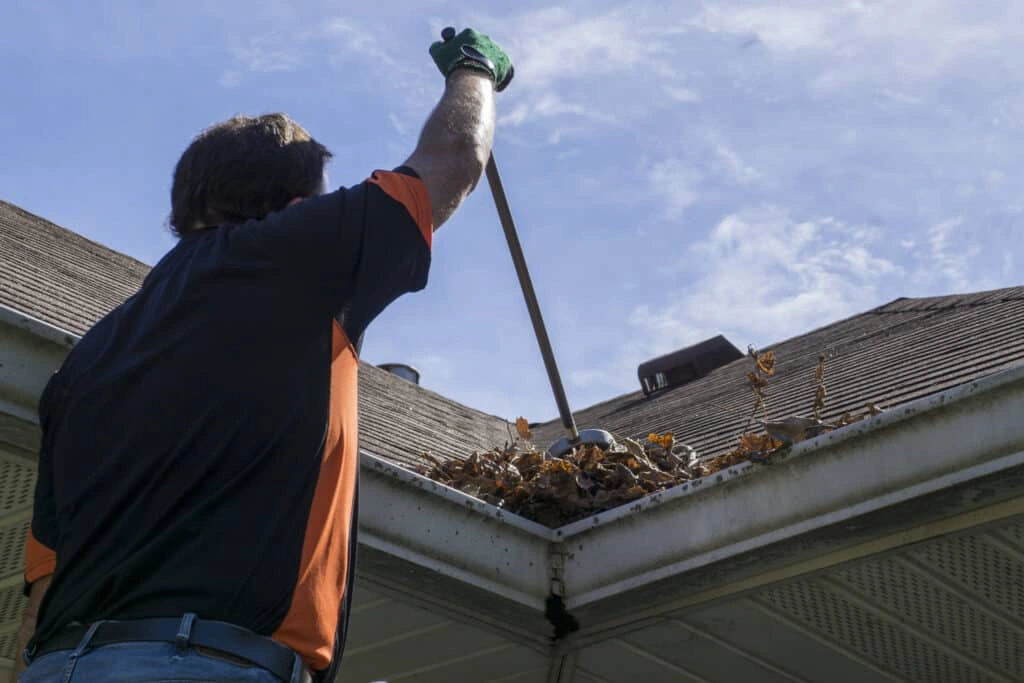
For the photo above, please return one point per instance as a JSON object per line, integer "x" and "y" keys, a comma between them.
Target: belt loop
{"x": 181, "y": 641}
{"x": 69, "y": 668}
{"x": 29, "y": 653}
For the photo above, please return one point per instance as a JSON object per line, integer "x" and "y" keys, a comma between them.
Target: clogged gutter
{"x": 556, "y": 491}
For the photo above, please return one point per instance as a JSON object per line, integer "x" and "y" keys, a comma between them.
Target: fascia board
{"x": 970, "y": 431}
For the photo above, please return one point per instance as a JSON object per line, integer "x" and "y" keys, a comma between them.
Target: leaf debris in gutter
{"x": 556, "y": 491}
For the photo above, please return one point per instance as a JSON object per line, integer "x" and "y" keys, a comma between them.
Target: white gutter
{"x": 37, "y": 327}
{"x": 967, "y": 432}
{"x": 30, "y": 351}
{"x": 419, "y": 520}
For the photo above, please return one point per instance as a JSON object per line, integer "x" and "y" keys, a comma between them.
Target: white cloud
{"x": 899, "y": 97}
{"x": 350, "y": 40}
{"x": 268, "y": 53}
{"x": 400, "y": 126}
{"x": 787, "y": 29}
{"x": 229, "y": 79}
{"x": 1010, "y": 111}
{"x": 675, "y": 183}
{"x": 734, "y": 167}
{"x": 570, "y": 62}
{"x": 548, "y": 105}
{"x": 759, "y": 276}
{"x": 950, "y": 254}
{"x": 336, "y": 42}
{"x": 603, "y": 43}
{"x": 681, "y": 94}
{"x": 434, "y": 367}
{"x": 886, "y": 41}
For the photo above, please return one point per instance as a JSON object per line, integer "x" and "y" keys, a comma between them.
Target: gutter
{"x": 32, "y": 351}
{"x": 419, "y": 520}
{"x": 921, "y": 447}
{"x": 857, "y": 430}
{"x": 37, "y": 327}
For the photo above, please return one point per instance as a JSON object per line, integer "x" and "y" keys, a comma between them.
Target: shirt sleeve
{"x": 396, "y": 251}
{"x": 351, "y": 251}
{"x": 41, "y": 538}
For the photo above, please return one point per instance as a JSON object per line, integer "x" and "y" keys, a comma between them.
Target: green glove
{"x": 473, "y": 50}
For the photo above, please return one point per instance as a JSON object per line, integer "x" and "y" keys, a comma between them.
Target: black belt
{"x": 213, "y": 635}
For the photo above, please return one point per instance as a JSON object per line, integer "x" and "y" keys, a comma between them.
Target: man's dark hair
{"x": 244, "y": 168}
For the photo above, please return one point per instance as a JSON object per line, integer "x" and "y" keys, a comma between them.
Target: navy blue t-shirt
{"x": 199, "y": 442}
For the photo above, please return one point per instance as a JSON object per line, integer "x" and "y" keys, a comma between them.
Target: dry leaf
{"x": 766, "y": 362}
{"x": 523, "y": 427}
{"x": 634, "y": 447}
{"x": 663, "y": 440}
{"x": 758, "y": 443}
{"x": 555, "y": 491}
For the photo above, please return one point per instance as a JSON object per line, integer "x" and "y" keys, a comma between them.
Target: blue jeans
{"x": 138, "y": 663}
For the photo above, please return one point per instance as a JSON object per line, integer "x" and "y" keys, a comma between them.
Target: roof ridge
{"x": 953, "y": 301}
{"x": 912, "y": 305}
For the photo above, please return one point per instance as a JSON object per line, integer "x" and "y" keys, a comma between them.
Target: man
{"x": 195, "y": 513}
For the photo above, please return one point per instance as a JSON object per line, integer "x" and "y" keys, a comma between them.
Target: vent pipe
{"x": 406, "y": 372}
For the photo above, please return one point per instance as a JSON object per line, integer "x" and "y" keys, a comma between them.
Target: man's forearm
{"x": 464, "y": 115}
{"x": 456, "y": 141}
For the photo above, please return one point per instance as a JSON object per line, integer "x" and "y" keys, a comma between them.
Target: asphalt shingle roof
{"x": 895, "y": 353}
{"x": 57, "y": 275}
{"x": 903, "y": 350}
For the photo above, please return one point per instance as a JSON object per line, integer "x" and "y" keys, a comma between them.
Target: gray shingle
{"x": 58, "y": 276}
{"x": 898, "y": 352}
{"x": 895, "y": 353}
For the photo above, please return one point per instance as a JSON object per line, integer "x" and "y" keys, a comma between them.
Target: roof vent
{"x": 406, "y": 372}
{"x": 685, "y": 365}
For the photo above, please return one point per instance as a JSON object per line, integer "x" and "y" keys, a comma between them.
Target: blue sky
{"x": 676, "y": 169}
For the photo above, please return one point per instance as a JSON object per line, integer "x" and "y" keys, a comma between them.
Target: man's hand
{"x": 473, "y": 50}
{"x": 28, "y": 623}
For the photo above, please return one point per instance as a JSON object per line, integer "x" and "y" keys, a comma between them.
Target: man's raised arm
{"x": 456, "y": 140}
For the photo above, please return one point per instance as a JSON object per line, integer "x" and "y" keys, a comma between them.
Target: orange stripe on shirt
{"x": 310, "y": 625}
{"x": 411, "y": 193}
{"x": 40, "y": 560}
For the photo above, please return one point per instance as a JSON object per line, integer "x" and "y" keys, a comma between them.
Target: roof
{"x": 58, "y": 276}
{"x": 862, "y": 563}
{"x": 63, "y": 279}
{"x": 903, "y": 350}
{"x": 890, "y": 355}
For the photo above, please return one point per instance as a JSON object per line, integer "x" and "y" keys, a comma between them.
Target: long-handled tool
{"x": 575, "y": 437}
